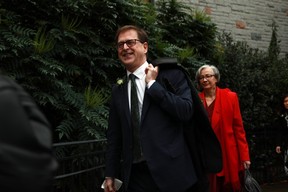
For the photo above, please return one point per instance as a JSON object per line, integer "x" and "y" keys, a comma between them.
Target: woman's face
{"x": 285, "y": 102}
{"x": 207, "y": 79}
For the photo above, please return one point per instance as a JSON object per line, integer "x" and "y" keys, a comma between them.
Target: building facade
{"x": 248, "y": 20}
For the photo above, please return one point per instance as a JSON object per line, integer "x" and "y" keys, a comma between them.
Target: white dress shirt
{"x": 141, "y": 85}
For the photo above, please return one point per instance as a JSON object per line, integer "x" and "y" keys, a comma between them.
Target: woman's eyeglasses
{"x": 130, "y": 43}
{"x": 208, "y": 76}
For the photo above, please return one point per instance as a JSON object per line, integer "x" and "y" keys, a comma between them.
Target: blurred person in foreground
{"x": 223, "y": 110}
{"x": 153, "y": 155}
{"x": 281, "y": 125}
{"x": 26, "y": 160}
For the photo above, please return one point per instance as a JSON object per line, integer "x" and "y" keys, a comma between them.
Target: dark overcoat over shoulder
{"x": 204, "y": 147}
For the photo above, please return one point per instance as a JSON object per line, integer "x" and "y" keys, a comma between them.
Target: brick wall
{"x": 248, "y": 20}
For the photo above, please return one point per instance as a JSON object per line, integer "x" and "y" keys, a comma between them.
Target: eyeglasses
{"x": 208, "y": 76}
{"x": 130, "y": 43}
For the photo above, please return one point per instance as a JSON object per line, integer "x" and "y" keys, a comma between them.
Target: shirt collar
{"x": 140, "y": 72}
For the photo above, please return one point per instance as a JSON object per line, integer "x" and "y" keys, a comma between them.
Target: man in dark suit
{"x": 154, "y": 156}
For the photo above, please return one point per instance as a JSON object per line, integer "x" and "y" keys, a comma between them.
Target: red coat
{"x": 228, "y": 126}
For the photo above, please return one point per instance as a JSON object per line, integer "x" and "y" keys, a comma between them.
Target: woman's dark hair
{"x": 283, "y": 109}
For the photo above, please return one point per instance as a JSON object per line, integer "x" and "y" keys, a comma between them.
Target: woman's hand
{"x": 247, "y": 164}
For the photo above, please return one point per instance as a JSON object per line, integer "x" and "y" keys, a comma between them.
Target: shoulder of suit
{"x": 7, "y": 82}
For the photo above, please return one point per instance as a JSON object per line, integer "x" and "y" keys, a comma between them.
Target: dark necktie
{"x": 135, "y": 118}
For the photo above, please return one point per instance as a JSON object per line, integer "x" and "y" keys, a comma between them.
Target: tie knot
{"x": 132, "y": 77}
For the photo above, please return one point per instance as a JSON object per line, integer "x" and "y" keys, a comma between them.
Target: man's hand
{"x": 109, "y": 185}
{"x": 151, "y": 73}
{"x": 278, "y": 149}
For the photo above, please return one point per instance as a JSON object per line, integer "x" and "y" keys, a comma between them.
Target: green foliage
{"x": 243, "y": 70}
{"x": 181, "y": 32}
{"x": 60, "y": 50}
{"x": 43, "y": 43}
{"x": 69, "y": 24}
{"x": 185, "y": 27}
{"x": 59, "y": 57}
{"x": 94, "y": 98}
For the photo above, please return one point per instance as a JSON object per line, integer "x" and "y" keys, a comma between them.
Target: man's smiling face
{"x": 131, "y": 55}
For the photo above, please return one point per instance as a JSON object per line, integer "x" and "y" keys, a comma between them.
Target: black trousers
{"x": 141, "y": 179}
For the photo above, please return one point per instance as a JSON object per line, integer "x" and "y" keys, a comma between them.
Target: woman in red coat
{"x": 224, "y": 113}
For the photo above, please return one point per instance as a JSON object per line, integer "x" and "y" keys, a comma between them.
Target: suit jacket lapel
{"x": 125, "y": 102}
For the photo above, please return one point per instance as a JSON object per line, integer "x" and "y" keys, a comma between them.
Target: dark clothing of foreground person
{"x": 26, "y": 160}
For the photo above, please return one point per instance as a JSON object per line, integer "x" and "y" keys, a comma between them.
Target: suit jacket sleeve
{"x": 172, "y": 94}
